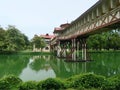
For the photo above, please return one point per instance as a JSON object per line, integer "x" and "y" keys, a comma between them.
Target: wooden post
{"x": 78, "y": 44}
{"x": 74, "y": 47}
{"x": 84, "y": 49}
{"x": 58, "y": 49}
{"x": 64, "y": 50}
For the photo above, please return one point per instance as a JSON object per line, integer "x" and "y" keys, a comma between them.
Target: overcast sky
{"x": 40, "y": 16}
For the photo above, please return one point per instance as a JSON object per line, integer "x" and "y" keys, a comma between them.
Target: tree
{"x": 27, "y": 42}
{"x": 105, "y": 40}
{"x": 94, "y": 42}
{"x": 2, "y": 38}
{"x": 115, "y": 41}
{"x": 38, "y": 42}
{"x": 14, "y": 39}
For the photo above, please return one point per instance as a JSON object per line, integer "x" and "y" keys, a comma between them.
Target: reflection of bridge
{"x": 65, "y": 70}
{"x": 104, "y": 15}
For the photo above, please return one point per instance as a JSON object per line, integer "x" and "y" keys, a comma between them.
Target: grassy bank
{"x": 104, "y": 51}
{"x": 26, "y": 53}
{"x": 50, "y": 53}
{"x": 78, "y": 82}
{"x": 33, "y": 53}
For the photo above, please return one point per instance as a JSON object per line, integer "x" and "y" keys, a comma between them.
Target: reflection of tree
{"x": 64, "y": 69}
{"x": 106, "y": 64}
{"x": 40, "y": 62}
{"x": 12, "y": 64}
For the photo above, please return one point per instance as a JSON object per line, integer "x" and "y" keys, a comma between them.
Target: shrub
{"x": 4, "y": 84}
{"x": 70, "y": 81}
{"x": 10, "y": 81}
{"x": 13, "y": 80}
{"x": 50, "y": 84}
{"x": 79, "y": 82}
{"x": 112, "y": 83}
{"x": 30, "y": 85}
{"x": 88, "y": 81}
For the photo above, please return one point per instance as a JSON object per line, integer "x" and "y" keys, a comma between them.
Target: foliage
{"x": 12, "y": 40}
{"x": 79, "y": 82}
{"x": 113, "y": 83}
{"x": 4, "y": 84}
{"x": 2, "y": 38}
{"x": 9, "y": 82}
{"x": 87, "y": 81}
{"x": 27, "y": 42}
{"x": 38, "y": 42}
{"x": 13, "y": 80}
{"x": 30, "y": 85}
{"x": 50, "y": 84}
{"x": 105, "y": 40}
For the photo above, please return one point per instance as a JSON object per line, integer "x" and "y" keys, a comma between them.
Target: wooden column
{"x": 78, "y": 45}
{"x": 64, "y": 50}
{"x": 84, "y": 49}
{"x": 58, "y": 49}
{"x": 74, "y": 49}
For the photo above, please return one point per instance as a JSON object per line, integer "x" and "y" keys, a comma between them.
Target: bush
{"x": 88, "y": 81}
{"x": 4, "y": 84}
{"x": 112, "y": 83}
{"x": 70, "y": 81}
{"x": 80, "y": 82}
{"x": 30, "y": 85}
{"x": 50, "y": 84}
{"x": 11, "y": 81}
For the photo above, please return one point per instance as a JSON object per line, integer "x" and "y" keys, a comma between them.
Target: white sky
{"x": 40, "y": 16}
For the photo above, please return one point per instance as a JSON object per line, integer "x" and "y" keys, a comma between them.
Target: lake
{"x": 40, "y": 67}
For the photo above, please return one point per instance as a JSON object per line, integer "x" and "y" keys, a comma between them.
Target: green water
{"x": 40, "y": 67}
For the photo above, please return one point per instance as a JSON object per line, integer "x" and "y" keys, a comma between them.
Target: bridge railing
{"x": 109, "y": 18}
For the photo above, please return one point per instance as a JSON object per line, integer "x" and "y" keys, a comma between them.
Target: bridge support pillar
{"x": 63, "y": 50}
{"x": 74, "y": 49}
{"x": 78, "y": 48}
{"x": 84, "y": 49}
{"x": 58, "y": 49}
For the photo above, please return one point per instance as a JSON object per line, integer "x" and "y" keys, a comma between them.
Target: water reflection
{"x": 37, "y": 67}
{"x": 12, "y": 64}
{"x": 106, "y": 64}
